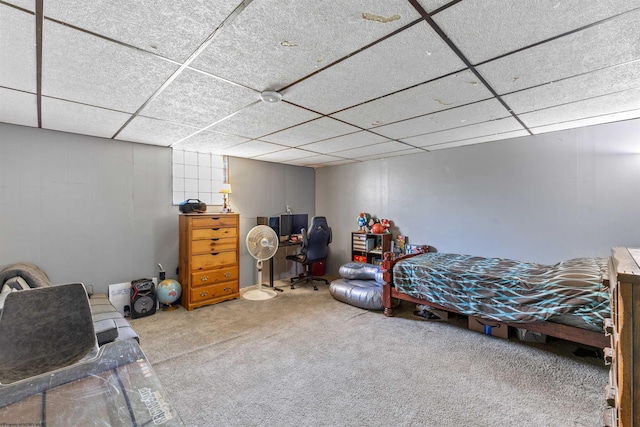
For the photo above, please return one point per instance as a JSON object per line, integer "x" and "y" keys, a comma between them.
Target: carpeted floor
{"x": 305, "y": 359}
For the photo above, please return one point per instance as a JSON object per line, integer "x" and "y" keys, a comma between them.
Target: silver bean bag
{"x": 365, "y": 294}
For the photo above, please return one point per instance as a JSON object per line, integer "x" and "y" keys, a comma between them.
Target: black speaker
{"x": 143, "y": 298}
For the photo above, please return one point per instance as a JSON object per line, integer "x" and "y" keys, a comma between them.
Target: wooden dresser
{"x": 624, "y": 329}
{"x": 209, "y": 255}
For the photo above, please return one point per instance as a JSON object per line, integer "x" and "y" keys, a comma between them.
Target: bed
{"x": 567, "y": 300}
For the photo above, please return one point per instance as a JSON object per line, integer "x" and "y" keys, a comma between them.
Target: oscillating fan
{"x": 262, "y": 244}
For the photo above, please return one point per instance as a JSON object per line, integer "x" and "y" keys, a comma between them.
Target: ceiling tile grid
{"x": 273, "y": 43}
{"x": 360, "y": 80}
{"x": 170, "y": 28}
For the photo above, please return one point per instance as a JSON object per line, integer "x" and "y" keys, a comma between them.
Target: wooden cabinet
{"x": 209, "y": 257}
{"x": 368, "y": 247}
{"x": 624, "y": 330}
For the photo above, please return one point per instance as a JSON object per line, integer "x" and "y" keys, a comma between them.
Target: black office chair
{"x": 315, "y": 248}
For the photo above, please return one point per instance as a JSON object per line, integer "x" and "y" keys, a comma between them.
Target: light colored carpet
{"x": 305, "y": 359}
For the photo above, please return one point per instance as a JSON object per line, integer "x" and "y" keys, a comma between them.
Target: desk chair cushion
{"x": 44, "y": 329}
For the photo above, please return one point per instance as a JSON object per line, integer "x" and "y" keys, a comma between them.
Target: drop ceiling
{"x": 359, "y": 80}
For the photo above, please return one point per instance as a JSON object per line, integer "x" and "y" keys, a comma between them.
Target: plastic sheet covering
{"x": 117, "y": 388}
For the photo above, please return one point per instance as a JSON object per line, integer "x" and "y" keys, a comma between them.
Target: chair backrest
{"x": 316, "y": 240}
{"x": 44, "y": 329}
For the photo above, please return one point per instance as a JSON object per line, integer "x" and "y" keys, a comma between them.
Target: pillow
{"x": 17, "y": 283}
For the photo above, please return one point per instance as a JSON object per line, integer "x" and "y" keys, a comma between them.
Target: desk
{"x": 286, "y": 243}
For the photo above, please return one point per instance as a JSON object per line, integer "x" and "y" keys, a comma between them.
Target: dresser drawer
{"x": 213, "y": 245}
{"x": 220, "y": 259}
{"x": 204, "y": 293}
{"x": 213, "y": 233}
{"x": 215, "y": 276}
{"x": 215, "y": 221}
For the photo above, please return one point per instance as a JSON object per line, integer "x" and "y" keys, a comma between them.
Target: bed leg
{"x": 388, "y": 311}
{"x": 387, "y": 302}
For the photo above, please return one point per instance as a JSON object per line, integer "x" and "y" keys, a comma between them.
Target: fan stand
{"x": 259, "y": 293}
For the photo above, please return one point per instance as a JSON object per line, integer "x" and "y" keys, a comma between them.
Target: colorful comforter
{"x": 506, "y": 290}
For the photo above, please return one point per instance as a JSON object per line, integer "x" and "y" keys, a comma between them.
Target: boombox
{"x": 143, "y": 298}
{"x": 192, "y": 205}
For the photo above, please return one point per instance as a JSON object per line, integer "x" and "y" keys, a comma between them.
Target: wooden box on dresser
{"x": 209, "y": 256}
{"x": 624, "y": 329}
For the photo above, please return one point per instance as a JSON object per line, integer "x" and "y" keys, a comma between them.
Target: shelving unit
{"x": 369, "y": 247}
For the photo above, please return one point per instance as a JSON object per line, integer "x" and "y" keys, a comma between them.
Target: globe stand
{"x": 169, "y": 307}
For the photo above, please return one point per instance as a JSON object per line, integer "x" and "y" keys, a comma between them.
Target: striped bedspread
{"x": 507, "y": 290}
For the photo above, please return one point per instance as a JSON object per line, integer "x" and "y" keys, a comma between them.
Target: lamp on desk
{"x": 225, "y": 190}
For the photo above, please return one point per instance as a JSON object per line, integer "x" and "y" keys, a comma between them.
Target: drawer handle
{"x": 227, "y": 289}
{"x": 215, "y": 217}
{"x": 216, "y": 239}
{"x": 216, "y": 229}
{"x": 204, "y": 294}
{"x": 204, "y": 278}
{"x": 215, "y": 253}
{"x": 227, "y": 274}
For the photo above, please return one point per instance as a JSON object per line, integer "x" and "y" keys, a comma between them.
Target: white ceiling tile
{"x": 608, "y": 104}
{"x": 465, "y": 132}
{"x": 447, "y": 92}
{"x": 479, "y": 112}
{"x": 596, "y": 83}
{"x": 79, "y": 118}
{"x": 264, "y": 118}
{"x": 209, "y": 142}
{"x": 273, "y": 43}
{"x": 284, "y": 156}
{"x": 606, "y": 118}
{"x": 345, "y": 142}
{"x": 317, "y": 161}
{"x": 197, "y": 99}
{"x": 171, "y": 28}
{"x": 614, "y": 42}
{"x": 251, "y": 149}
{"x": 390, "y": 154}
{"x": 153, "y": 131}
{"x": 373, "y": 150}
{"x": 17, "y": 49}
{"x": 496, "y": 27}
{"x": 478, "y": 140}
{"x": 312, "y": 131}
{"x": 18, "y": 108}
{"x": 432, "y": 5}
{"x": 413, "y": 56}
{"x": 84, "y": 68}
{"x": 25, "y": 4}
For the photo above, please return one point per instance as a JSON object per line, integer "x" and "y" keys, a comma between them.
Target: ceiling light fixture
{"x": 271, "y": 96}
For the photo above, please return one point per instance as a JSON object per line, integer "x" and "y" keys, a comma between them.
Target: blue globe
{"x": 168, "y": 291}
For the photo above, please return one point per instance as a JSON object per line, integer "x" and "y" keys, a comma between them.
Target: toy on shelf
{"x": 362, "y": 223}
{"x": 386, "y": 224}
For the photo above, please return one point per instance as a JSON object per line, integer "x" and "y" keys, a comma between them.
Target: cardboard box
{"x": 489, "y": 327}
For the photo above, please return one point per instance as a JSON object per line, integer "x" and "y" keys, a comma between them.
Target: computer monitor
{"x": 286, "y": 225}
{"x": 299, "y": 222}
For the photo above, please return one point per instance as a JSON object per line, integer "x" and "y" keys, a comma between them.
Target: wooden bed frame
{"x": 570, "y": 333}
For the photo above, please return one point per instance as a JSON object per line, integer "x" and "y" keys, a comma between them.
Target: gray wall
{"x": 540, "y": 198}
{"x": 99, "y": 211}
{"x": 85, "y": 209}
{"x": 266, "y": 189}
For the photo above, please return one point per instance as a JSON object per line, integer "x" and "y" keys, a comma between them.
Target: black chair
{"x": 315, "y": 248}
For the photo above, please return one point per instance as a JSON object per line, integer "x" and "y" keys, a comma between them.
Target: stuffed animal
{"x": 362, "y": 222}
{"x": 386, "y": 224}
